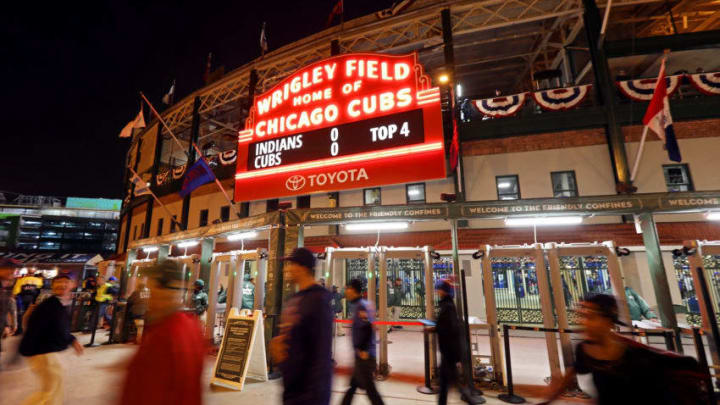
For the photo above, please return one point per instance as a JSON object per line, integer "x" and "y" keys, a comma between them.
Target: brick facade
{"x": 584, "y": 137}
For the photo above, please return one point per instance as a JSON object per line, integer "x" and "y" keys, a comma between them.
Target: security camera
{"x": 478, "y": 255}
{"x": 620, "y": 251}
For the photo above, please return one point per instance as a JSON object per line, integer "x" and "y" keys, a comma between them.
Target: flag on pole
{"x": 263, "y": 40}
{"x": 658, "y": 118}
{"x": 454, "y": 148}
{"x": 336, "y": 11}
{"x": 141, "y": 186}
{"x": 138, "y": 122}
{"x": 168, "y": 98}
{"x": 199, "y": 174}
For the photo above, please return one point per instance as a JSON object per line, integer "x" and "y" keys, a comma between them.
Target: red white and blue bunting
{"x": 642, "y": 89}
{"x": 561, "y": 99}
{"x": 504, "y": 106}
{"x": 707, "y": 83}
{"x": 178, "y": 172}
{"x": 162, "y": 178}
{"x": 228, "y": 157}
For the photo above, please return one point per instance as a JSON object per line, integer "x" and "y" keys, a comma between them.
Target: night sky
{"x": 72, "y": 72}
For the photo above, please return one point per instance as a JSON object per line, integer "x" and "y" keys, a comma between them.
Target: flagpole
{"x": 639, "y": 153}
{"x": 158, "y": 201}
{"x": 217, "y": 182}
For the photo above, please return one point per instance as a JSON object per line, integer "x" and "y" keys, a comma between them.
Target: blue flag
{"x": 199, "y": 174}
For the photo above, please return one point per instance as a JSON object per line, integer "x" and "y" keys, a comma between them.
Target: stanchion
{"x": 702, "y": 359}
{"x": 113, "y": 323}
{"x": 510, "y": 397}
{"x": 273, "y": 373}
{"x": 93, "y": 325}
{"x": 427, "y": 388}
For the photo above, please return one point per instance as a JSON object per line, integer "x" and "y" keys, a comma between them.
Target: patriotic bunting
{"x": 162, "y": 178}
{"x": 505, "y": 106}
{"x": 228, "y": 157}
{"x": 707, "y": 83}
{"x": 642, "y": 89}
{"x": 178, "y": 172}
{"x": 561, "y": 99}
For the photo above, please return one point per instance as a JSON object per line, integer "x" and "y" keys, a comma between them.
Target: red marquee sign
{"x": 350, "y": 121}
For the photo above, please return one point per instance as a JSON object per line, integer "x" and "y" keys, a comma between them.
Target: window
{"x": 677, "y": 178}
{"x": 203, "y": 217}
{"x": 415, "y": 193}
{"x": 161, "y": 223}
{"x": 371, "y": 196}
{"x": 225, "y": 213}
{"x": 508, "y": 187}
{"x": 303, "y": 201}
{"x": 142, "y": 231}
{"x": 564, "y": 184}
{"x": 134, "y": 232}
{"x": 173, "y": 224}
{"x": 334, "y": 199}
{"x": 272, "y": 205}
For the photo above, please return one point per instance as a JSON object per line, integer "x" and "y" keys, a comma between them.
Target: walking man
{"x": 167, "y": 368}
{"x": 303, "y": 348}
{"x": 337, "y": 306}
{"x": 48, "y": 332}
{"x": 364, "y": 344}
{"x": 8, "y": 312}
{"x": 450, "y": 343}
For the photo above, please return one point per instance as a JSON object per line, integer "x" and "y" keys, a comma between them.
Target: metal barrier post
{"x": 427, "y": 388}
{"x": 702, "y": 358}
{"x": 93, "y": 325}
{"x": 510, "y": 397}
{"x": 113, "y": 323}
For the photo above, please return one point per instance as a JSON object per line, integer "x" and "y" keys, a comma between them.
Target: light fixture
{"x": 413, "y": 192}
{"x": 541, "y": 221}
{"x": 458, "y": 91}
{"x": 187, "y": 244}
{"x": 443, "y": 78}
{"x": 504, "y": 184}
{"x": 242, "y": 235}
{"x": 377, "y": 226}
{"x": 150, "y": 249}
{"x": 713, "y": 216}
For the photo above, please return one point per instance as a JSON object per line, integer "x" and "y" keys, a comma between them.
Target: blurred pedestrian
{"x": 625, "y": 371}
{"x": 167, "y": 368}
{"x": 364, "y": 344}
{"x": 48, "y": 332}
{"x": 639, "y": 309}
{"x": 303, "y": 348}
{"x": 336, "y": 304}
{"x": 450, "y": 343}
{"x": 104, "y": 298}
{"x": 137, "y": 307}
{"x": 199, "y": 300}
{"x": 8, "y": 312}
{"x": 26, "y": 291}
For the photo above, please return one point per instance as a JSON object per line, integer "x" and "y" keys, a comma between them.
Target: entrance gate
{"x": 382, "y": 263}
{"x": 228, "y": 269}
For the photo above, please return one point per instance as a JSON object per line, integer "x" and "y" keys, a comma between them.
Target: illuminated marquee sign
{"x": 351, "y": 121}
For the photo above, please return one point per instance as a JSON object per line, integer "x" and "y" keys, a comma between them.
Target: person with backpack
{"x": 625, "y": 371}
{"x": 104, "y": 298}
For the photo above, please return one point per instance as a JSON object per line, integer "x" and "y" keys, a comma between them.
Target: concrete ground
{"x": 92, "y": 380}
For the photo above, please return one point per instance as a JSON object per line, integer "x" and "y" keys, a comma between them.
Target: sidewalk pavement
{"x": 92, "y": 379}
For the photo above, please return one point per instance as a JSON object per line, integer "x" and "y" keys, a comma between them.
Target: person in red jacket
{"x": 167, "y": 368}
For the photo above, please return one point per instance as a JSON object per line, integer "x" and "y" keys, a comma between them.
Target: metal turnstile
{"x": 702, "y": 257}
{"x": 135, "y": 273}
{"x": 577, "y": 269}
{"x": 532, "y": 276}
{"x": 380, "y": 256}
{"x": 229, "y": 269}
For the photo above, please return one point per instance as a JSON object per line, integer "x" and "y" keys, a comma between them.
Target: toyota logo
{"x": 295, "y": 182}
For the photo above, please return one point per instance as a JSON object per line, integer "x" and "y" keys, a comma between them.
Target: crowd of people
{"x": 168, "y": 366}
